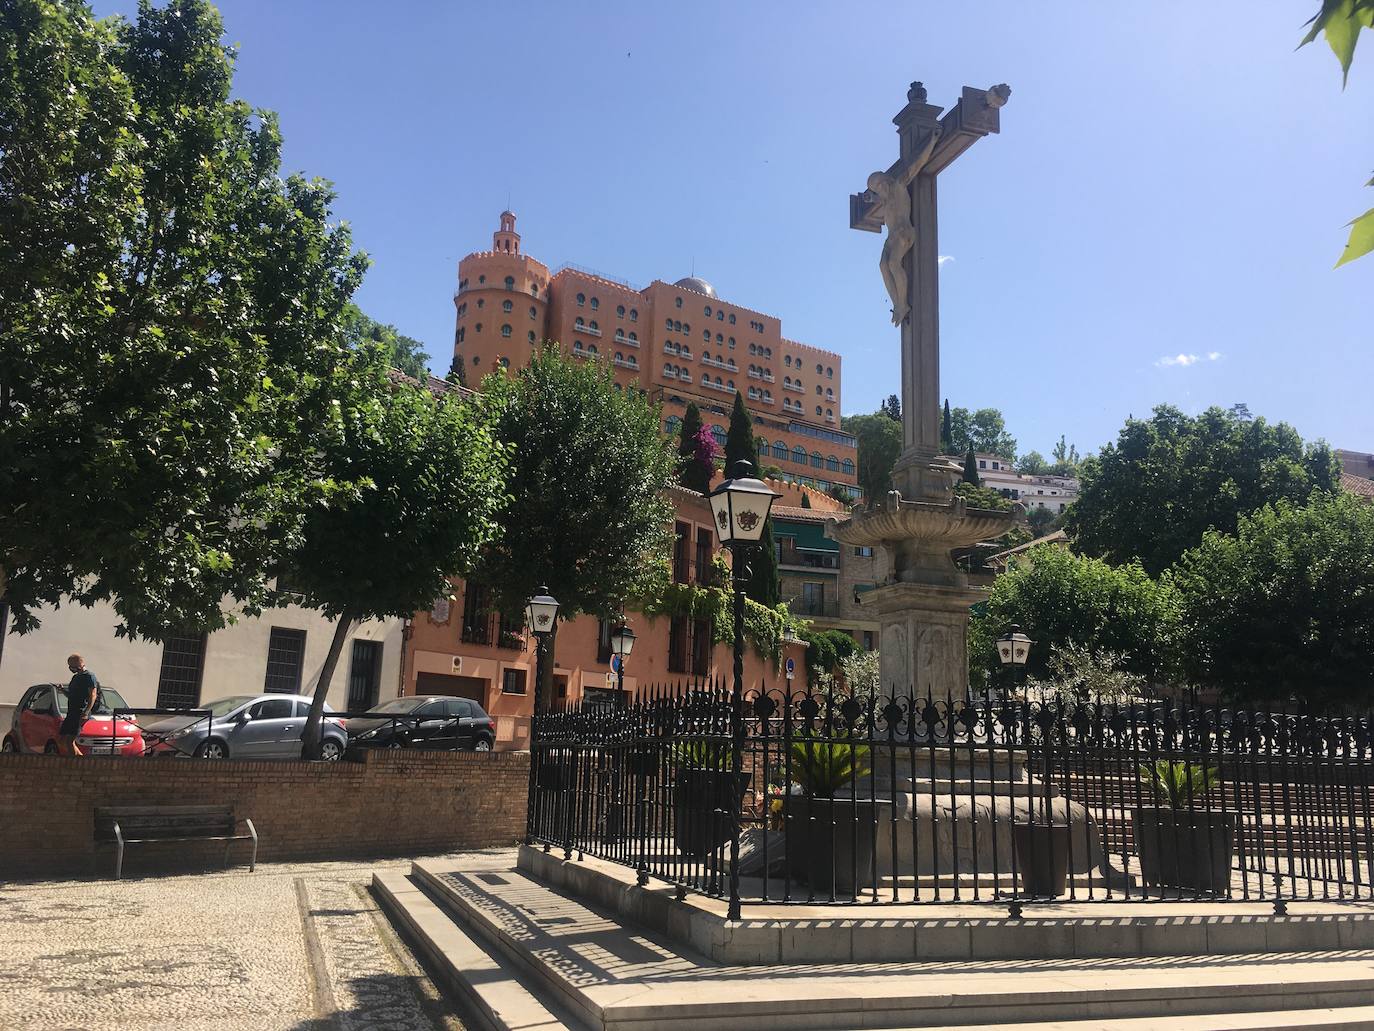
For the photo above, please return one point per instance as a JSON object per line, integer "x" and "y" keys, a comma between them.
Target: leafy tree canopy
{"x": 1061, "y": 599}
{"x": 1167, "y": 480}
{"x": 1032, "y": 463}
{"x": 697, "y": 450}
{"x": 880, "y": 444}
{"x": 1284, "y": 607}
{"x": 985, "y": 431}
{"x": 584, "y": 512}
{"x": 400, "y": 351}
{"x": 171, "y": 317}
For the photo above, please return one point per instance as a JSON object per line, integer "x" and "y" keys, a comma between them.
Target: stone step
{"x": 1344, "y": 1018}
{"x": 614, "y": 976}
{"x": 497, "y": 999}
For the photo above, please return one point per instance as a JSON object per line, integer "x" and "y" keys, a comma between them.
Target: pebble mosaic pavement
{"x": 292, "y": 947}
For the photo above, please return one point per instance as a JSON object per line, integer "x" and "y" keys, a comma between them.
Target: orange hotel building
{"x": 677, "y": 342}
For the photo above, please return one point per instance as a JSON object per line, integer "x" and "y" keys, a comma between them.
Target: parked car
{"x": 436, "y": 722}
{"x": 267, "y": 726}
{"x": 39, "y": 715}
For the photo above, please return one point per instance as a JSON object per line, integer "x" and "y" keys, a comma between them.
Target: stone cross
{"x": 903, "y": 199}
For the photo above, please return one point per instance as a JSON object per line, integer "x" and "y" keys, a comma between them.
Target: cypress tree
{"x": 762, "y": 585}
{"x": 971, "y": 469}
{"x": 806, "y": 501}
{"x": 692, "y": 474}
{"x": 947, "y": 431}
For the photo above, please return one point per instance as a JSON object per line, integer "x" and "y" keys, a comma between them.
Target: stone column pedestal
{"x": 924, "y": 637}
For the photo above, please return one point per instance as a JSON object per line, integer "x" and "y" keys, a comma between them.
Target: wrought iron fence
{"x": 910, "y": 799}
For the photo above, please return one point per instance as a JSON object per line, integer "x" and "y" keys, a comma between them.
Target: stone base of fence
{"x": 388, "y": 804}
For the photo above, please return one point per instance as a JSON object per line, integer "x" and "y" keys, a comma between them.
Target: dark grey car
{"x": 267, "y": 726}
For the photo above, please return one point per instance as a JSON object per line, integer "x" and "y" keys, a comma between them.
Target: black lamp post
{"x": 541, "y": 612}
{"x": 1013, "y": 648}
{"x": 622, "y": 643}
{"x": 740, "y": 505}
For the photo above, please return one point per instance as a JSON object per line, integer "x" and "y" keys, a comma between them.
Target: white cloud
{"x": 944, "y": 259}
{"x": 1185, "y": 360}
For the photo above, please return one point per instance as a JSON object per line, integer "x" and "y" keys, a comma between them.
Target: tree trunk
{"x": 311, "y": 736}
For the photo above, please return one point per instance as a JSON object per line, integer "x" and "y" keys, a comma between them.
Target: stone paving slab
{"x": 624, "y": 977}
{"x": 292, "y": 947}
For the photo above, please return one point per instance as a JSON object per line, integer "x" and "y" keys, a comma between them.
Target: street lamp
{"x": 540, "y": 614}
{"x": 622, "y": 643}
{"x": 1013, "y": 648}
{"x": 740, "y": 506}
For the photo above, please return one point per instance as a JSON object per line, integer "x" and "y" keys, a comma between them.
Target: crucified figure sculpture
{"x": 893, "y": 197}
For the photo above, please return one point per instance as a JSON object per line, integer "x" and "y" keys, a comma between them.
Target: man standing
{"x": 81, "y": 694}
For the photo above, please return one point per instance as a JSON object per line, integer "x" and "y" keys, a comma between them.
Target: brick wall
{"x": 391, "y": 803}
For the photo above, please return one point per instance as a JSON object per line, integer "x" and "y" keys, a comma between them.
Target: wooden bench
{"x": 141, "y": 824}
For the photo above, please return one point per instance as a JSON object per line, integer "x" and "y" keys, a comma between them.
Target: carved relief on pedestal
{"x": 934, "y": 657}
{"x": 894, "y": 659}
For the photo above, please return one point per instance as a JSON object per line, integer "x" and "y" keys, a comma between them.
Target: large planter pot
{"x": 1181, "y": 848}
{"x": 1042, "y": 857}
{"x": 830, "y": 842}
{"x": 704, "y": 803}
{"x": 555, "y": 773}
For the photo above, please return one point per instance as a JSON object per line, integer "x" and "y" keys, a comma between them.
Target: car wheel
{"x": 481, "y": 745}
{"x": 394, "y": 743}
{"x": 50, "y": 748}
{"x": 8, "y": 745}
{"x": 330, "y": 750}
{"x": 212, "y": 749}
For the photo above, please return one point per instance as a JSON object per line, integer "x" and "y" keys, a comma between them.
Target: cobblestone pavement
{"x": 292, "y": 947}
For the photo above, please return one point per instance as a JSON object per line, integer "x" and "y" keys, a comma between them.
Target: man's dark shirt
{"x": 79, "y": 692}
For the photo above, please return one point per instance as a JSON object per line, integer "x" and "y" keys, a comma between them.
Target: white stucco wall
{"x": 235, "y": 657}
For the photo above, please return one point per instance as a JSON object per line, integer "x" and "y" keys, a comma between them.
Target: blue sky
{"x": 1171, "y": 180}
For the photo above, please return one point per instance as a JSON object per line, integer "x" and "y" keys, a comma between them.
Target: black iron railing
{"x": 913, "y": 799}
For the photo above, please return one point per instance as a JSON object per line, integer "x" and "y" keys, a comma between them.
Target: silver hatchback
{"x": 266, "y": 726}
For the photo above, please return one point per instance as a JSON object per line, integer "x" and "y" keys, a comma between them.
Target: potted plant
{"x": 706, "y": 794}
{"x": 830, "y": 830}
{"x": 1181, "y": 842}
{"x": 1041, "y": 845}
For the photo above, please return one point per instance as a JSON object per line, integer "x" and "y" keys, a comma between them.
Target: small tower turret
{"x": 506, "y": 240}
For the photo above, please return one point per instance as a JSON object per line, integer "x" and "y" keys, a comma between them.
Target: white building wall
{"x": 235, "y": 657}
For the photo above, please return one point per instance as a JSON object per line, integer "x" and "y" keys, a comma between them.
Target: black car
{"x": 433, "y": 722}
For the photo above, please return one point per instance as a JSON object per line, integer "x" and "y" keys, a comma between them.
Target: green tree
{"x": 1284, "y": 607}
{"x": 880, "y": 444}
{"x": 971, "y": 476}
{"x": 1066, "y": 460}
{"x": 1341, "y": 21}
{"x": 1167, "y": 480}
{"x": 1032, "y": 463}
{"x": 763, "y": 584}
{"x": 585, "y": 513}
{"x": 429, "y": 479}
{"x": 984, "y": 430}
{"x": 1040, "y": 520}
{"x": 171, "y": 319}
{"x": 892, "y": 408}
{"x": 403, "y": 353}
{"x": 696, "y": 450}
{"x": 947, "y": 431}
{"x": 806, "y": 501}
{"x": 1061, "y": 599}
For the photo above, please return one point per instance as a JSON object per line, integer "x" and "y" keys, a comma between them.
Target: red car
{"x": 39, "y": 715}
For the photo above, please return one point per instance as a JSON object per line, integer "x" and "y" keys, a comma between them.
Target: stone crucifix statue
{"x": 891, "y": 196}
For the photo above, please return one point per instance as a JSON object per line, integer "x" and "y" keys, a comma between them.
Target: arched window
{"x": 581, "y": 300}
{"x": 708, "y": 311}
{"x": 718, "y": 432}
{"x": 531, "y": 336}
{"x": 668, "y": 324}
{"x": 753, "y": 349}
{"x": 476, "y": 360}
{"x": 718, "y": 383}
{"x": 753, "y": 394}
{"x": 677, "y": 327}
{"x": 761, "y": 444}
{"x": 534, "y": 312}
{"x": 591, "y": 349}
{"x": 620, "y": 311}
{"x": 595, "y": 304}
{"x": 505, "y": 363}
{"x": 829, "y": 372}
{"x": 505, "y": 330}
{"x": 732, "y": 319}
{"x": 829, "y": 413}
{"x": 818, "y": 390}
{"x": 592, "y": 325}
{"x": 819, "y": 368}
{"x": 706, "y": 335}
{"x": 506, "y": 306}
{"x": 799, "y": 455}
{"x": 729, "y": 383}
{"x": 787, "y": 360}
{"x": 732, "y": 343}
{"x": 461, "y": 333}
{"x": 848, "y": 466}
{"x": 481, "y": 279}
{"x": 510, "y": 282}
{"x": 671, "y": 424}
{"x": 481, "y": 302}
{"x": 768, "y": 396}
{"x": 817, "y": 460}
{"x": 720, "y": 315}
{"x": 578, "y": 324}
{"x": 534, "y": 289}
{"x": 617, "y": 387}
{"x": 619, "y": 356}
{"x": 779, "y": 450}
{"x": 633, "y": 339}
{"x": 720, "y": 339}
{"x": 818, "y": 409}
{"x": 679, "y": 302}
{"x": 634, "y": 314}
{"x": 478, "y": 327}
{"x": 705, "y": 378}
{"x": 832, "y": 463}
{"x": 686, "y": 327}
{"x": 830, "y": 393}
{"x": 768, "y": 352}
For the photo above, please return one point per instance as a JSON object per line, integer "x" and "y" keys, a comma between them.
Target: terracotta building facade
{"x": 678, "y": 342}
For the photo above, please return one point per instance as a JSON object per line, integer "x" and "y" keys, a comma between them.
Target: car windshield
{"x": 397, "y": 705}
{"x": 105, "y": 698}
{"x": 225, "y": 706}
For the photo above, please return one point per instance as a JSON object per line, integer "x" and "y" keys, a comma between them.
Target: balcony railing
{"x": 581, "y": 327}
{"x": 491, "y": 630}
{"x": 626, "y": 341}
{"x": 625, "y": 363}
{"x": 794, "y": 386}
{"x": 825, "y": 608}
{"x": 768, "y": 377}
{"x": 718, "y": 386}
{"x": 730, "y": 366}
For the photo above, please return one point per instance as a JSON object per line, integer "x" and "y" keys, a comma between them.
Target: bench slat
{"x": 162, "y": 810}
